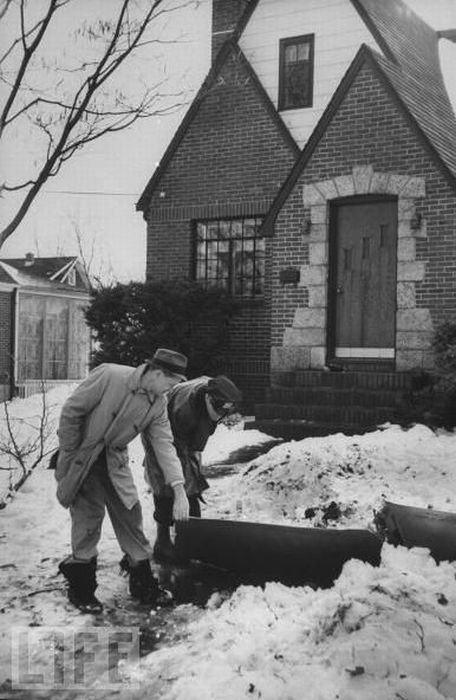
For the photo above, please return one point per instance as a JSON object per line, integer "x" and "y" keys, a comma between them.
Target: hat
{"x": 222, "y": 389}
{"x": 171, "y": 361}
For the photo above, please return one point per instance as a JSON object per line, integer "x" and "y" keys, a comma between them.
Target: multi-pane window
{"x": 230, "y": 254}
{"x": 296, "y": 72}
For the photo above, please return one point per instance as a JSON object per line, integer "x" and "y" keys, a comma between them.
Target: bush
{"x": 444, "y": 345}
{"x": 131, "y": 321}
{"x": 432, "y": 399}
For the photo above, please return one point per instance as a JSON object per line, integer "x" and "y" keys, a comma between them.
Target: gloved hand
{"x": 181, "y": 507}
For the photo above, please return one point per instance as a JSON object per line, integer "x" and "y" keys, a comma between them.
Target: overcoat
{"x": 107, "y": 411}
{"x": 191, "y": 426}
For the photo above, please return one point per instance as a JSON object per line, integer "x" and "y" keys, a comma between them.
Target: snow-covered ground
{"x": 380, "y": 633}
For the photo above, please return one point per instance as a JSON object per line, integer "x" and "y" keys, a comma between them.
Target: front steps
{"x": 307, "y": 403}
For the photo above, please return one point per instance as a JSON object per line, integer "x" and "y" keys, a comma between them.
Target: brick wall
{"x": 370, "y": 130}
{"x": 232, "y": 159}
{"x": 169, "y": 250}
{"x": 230, "y": 163}
{"x": 6, "y": 330}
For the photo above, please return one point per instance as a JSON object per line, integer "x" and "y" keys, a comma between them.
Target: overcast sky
{"x": 97, "y": 191}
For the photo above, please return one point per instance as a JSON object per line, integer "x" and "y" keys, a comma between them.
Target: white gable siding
{"x": 339, "y": 32}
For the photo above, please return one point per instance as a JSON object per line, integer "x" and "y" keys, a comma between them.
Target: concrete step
{"x": 333, "y": 396}
{"x": 390, "y": 381}
{"x": 298, "y": 429}
{"x": 339, "y": 414}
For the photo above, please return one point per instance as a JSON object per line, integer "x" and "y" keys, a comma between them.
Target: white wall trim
{"x": 384, "y": 353}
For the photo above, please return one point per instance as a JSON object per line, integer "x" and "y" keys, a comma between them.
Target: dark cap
{"x": 171, "y": 361}
{"x": 223, "y": 389}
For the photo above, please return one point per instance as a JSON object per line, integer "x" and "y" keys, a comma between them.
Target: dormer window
{"x": 296, "y": 72}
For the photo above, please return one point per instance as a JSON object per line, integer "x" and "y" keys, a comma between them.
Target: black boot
{"x": 82, "y": 580}
{"x": 144, "y": 586}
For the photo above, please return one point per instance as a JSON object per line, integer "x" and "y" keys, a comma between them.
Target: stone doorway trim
{"x": 306, "y": 338}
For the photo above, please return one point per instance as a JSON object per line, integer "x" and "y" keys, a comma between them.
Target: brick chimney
{"x": 29, "y": 259}
{"x": 225, "y": 18}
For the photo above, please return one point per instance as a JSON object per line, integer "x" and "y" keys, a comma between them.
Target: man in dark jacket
{"x": 195, "y": 408}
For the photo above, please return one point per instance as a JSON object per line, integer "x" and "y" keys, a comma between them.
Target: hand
{"x": 181, "y": 507}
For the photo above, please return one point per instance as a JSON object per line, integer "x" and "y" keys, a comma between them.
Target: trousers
{"x": 97, "y": 495}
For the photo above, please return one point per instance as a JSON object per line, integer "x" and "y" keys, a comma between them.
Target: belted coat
{"x": 107, "y": 411}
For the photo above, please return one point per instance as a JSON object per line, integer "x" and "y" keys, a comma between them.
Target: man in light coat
{"x": 108, "y": 410}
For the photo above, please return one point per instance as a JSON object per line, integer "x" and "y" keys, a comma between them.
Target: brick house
{"x": 43, "y": 332}
{"x": 314, "y": 176}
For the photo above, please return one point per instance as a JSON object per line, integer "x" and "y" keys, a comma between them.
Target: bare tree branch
{"x": 4, "y": 7}
{"x": 28, "y": 448}
{"x": 27, "y": 55}
{"x": 68, "y": 121}
{"x": 13, "y": 188}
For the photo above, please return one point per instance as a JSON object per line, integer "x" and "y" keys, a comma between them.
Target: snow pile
{"x": 341, "y": 480}
{"x": 226, "y": 442}
{"x": 378, "y": 634}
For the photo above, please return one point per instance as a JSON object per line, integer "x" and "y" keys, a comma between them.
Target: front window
{"x": 296, "y": 72}
{"x": 230, "y": 254}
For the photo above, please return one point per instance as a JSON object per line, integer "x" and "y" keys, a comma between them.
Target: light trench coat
{"x": 108, "y": 410}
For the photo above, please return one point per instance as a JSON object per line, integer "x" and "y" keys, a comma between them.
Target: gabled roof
{"x": 7, "y": 274}
{"x": 20, "y": 278}
{"x": 378, "y": 63}
{"x": 225, "y": 52}
{"x": 410, "y": 47}
{"x": 49, "y": 272}
{"x": 412, "y": 65}
{"x": 410, "y": 69}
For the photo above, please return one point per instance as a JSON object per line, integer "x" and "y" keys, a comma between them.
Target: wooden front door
{"x": 365, "y": 279}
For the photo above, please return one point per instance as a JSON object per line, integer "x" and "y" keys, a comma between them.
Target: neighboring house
{"x": 314, "y": 176}
{"x": 43, "y": 332}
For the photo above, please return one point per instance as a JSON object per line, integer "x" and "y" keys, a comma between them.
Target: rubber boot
{"x": 82, "y": 580}
{"x": 163, "y": 548}
{"x": 144, "y": 586}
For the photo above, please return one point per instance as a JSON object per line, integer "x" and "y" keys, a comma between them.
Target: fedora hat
{"x": 171, "y": 361}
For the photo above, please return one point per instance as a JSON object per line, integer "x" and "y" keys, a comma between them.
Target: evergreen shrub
{"x": 432, "y": 399}
{"x": 130, "y": 321}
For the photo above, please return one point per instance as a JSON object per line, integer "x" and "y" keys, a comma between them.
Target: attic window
{"x": 71, "y": 279}
{"x": 296, "y": 72}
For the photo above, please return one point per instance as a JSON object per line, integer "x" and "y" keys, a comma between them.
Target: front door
{"x": 365, "y": 279}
